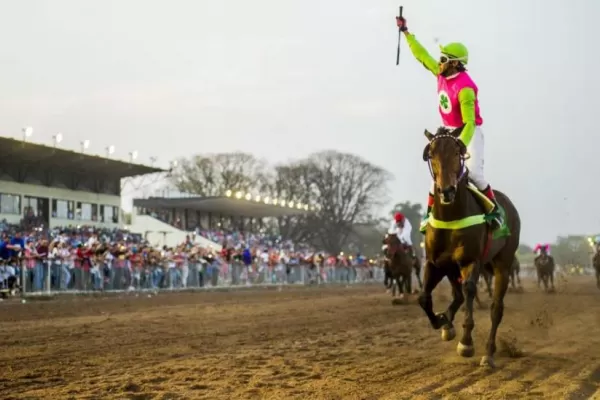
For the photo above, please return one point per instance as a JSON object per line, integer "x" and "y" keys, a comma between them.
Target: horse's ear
{"x": 456, "y": 132}
{"x": 428, "y": 135}
{"x": 426, "y": 152}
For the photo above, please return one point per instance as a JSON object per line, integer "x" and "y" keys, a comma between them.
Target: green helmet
{"x": 457, "y": 51}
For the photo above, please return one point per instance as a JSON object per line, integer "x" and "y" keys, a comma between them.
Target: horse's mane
{"x": 442, "y": 130}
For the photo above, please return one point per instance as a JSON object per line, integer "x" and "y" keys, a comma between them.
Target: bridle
{"x": 392, "y": 249}
{"x": 462, "y": 171}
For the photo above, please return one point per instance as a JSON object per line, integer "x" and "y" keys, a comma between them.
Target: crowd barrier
{"x": 53, "y": 277}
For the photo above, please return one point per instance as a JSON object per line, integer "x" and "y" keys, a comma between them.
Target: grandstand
{"x": 169, "y": 220}
{"x": 59, "y": 187}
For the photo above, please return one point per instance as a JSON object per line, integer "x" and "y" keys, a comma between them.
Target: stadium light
{"x": 110, "y": 150}
{"x": 248, "y": 196}
{"x": 228, "y": 193}
{"x": 239, "y": 195}
{"x": 291, "y": 204}
{"x": 132, "y": 155}
{"x": 57, "y": 138}
{"x": 267, "y": 200}
{"x": 257, "y": 199}
{"x": 84, "y": 145}
{"x": 306, "y": 207}
{"x": 27, "y": 132}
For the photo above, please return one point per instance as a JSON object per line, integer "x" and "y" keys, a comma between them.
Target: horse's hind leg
{"x": 431, "y": 278}
{"x": 552, "y": 280}
{"x": 496, "y": 312}
{"x": 470, "y": 275}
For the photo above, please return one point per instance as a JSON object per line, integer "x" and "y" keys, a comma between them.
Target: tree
{"x": 344, "y": 188}
{"x": 413, "y": 212}
{"x": 572, "y": 250}
{"x": 293, "y": 183}
{"x": 214, "y": 174}
{"x": 347, "y": 189}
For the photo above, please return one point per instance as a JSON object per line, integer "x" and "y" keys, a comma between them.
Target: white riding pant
{"x": 475, "y": 162}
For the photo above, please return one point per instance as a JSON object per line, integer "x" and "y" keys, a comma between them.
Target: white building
{"x": 61, "y": 187}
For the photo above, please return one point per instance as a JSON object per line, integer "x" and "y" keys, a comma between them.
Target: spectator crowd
{"x": 85, "y": 258}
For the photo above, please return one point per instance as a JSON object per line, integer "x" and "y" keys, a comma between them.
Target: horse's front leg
{"x": 470, "y": 276}
{"x": 552, "y": 279}
{"x": 432, "y": 277}
{"x": 448, "y": 332}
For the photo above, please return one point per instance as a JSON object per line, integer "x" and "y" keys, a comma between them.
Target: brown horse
{"x": 544, "y": 266}
{"x": 417, "y": 269}
{"x": 399, "y": 265}
{"x": 596, "y": 263}
{"x": 459, "y": 241}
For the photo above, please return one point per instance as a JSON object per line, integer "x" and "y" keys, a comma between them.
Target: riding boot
{"x": 423, "y": 226}
{"x": 494, "y": 214}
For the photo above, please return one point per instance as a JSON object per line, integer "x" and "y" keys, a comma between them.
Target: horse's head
{"x": 446, "y": 155}
{"x": 393, "y": 245}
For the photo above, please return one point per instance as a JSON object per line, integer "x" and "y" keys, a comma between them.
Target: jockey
{"x": 403, "y": 229}
{"x": 459, "y": 107}
{"x": 539, "y": 247}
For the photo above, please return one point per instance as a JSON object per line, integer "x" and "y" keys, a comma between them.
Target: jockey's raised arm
{"x": 421, "y": 54}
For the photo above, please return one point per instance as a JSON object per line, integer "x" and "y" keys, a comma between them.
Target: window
{"x": 10, "y": 204}
{"x": 31, "y": 206}
{"x": 62, "y": 209}
{"x": 94, "y": 212}
{"x": 109, "y": 214}
{"x": 84, "y": 211}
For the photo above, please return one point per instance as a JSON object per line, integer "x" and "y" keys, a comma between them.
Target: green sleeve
{"x": 422, "y": 55}
{"x": 466, "y": 98}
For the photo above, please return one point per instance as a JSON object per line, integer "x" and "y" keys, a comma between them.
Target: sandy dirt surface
{"x": 297, "y": 343}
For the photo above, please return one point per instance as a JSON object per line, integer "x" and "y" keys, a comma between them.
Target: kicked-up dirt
{"x": 295, "y": 343}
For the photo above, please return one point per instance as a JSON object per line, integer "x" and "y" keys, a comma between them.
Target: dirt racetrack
{"x": 297, "y": 343}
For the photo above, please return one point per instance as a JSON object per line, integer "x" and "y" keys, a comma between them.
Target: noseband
{"x": 463, "y": 155}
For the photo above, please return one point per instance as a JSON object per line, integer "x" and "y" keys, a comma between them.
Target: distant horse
{"x": 596, "y": 263}
{"x": 399, "y": 264}
{"x": 459, "y": 241}
{"x": 544, "y": 266}
{"x": 514, "y": 273}
{"x": 487, "y": 273}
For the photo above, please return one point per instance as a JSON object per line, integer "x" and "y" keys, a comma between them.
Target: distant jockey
{"x": 539, "y": 248}
{"x": 403, "y": 229}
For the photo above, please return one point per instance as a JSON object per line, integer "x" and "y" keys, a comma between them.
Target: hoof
{"x": 388, "y": 291}
{"x": 487, "y": 361}
{"x": 401, "y": 297}
{"x": 448, "y": 334}
{"x": 415, "y": 291}
{"x": 464, "y": 350}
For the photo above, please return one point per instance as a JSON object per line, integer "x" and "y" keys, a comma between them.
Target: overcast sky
{"x": 283, "y": 78}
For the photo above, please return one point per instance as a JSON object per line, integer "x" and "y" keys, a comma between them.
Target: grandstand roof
{"x": 226, "y": 206}
{"x": 19, "y": 151}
